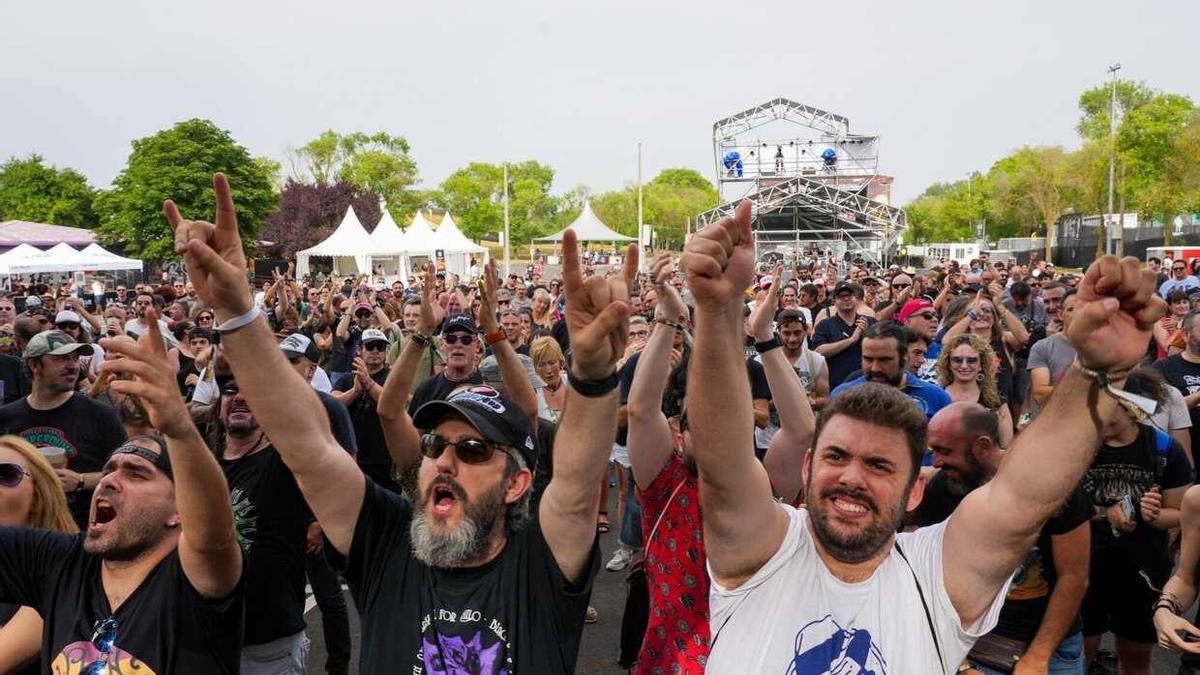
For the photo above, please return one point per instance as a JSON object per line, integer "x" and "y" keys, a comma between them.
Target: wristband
{"x": 494, "y": 337}
{"x": 79, "y": 488}
{"x": 1139, "y": 407}
{"x": 768, "y": 345}
{"x": 1167, "y": 604}
{"x": 238, "y": 321}
{"x": 420, "y": 338}
{"x": 593, "y": 388}
{"x": 673, "y": 324}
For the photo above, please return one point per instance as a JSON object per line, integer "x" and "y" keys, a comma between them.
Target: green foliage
{"x": 1157, "y": 153}
{"x": 669, "y": 201}
{"x": 33, "y": 191}
{"x": 178, "y": 163}
{"x": 474, "y": 194}
{"x": 377, "y": 162}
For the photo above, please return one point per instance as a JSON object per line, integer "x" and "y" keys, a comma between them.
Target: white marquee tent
{"x": 389, "y": 247}
{"x": 349, "y": 246}
{"x": 456, "y": 247}
{"x": 588, "y": 228}
{"x": 97, "y": 258}
{"x": 62, "y": 258}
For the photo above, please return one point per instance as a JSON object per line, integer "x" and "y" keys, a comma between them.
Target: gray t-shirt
{"x": 1054, "y": 353}
{"x": 1173, "y": 413}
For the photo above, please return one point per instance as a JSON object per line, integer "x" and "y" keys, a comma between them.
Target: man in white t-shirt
{"x": 831, "y": 588}
{"x": 792, "y": 329}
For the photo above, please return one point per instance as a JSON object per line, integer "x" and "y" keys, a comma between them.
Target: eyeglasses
{"x": 375, "y": 347}
{"x": 459, "y": 338}
{"x": 11, "y": 474}
{"x": 901, "y": 286}
{"x": 104, "y": 634}
{"x": 68, "y": 325}
{"x": 928, "y": 316}
{"x": 964, "y": 360}
{"x": 1178, "y": 269}
{"x": 469, "y": 450}
{"x": 203, "y": 318}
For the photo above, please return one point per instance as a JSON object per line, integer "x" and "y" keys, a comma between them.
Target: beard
{"x": 959, "y": 483}
{"x": 129, "y": 541}
{"x": 467, "y": 539}
{"x": 859, "y": 546}
{"x": 243, "y": 427}
{"x": 882, "y": 378}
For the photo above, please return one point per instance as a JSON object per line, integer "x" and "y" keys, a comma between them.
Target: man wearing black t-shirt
{"x": 451, "y": 581}
{"x": 272, "y": 522}
{"x": 460, "y": 344}
{"x": 154, "y": 584}
{"x": 360, "y": 392}
{"x": 1041, "y": 610}
{"x": 839, "y": 338}
{"x": 1183, "y": 372}
{"x": 55, "y": 415}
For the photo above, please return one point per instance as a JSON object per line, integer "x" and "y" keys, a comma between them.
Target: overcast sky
{"x": 948, "y": 86}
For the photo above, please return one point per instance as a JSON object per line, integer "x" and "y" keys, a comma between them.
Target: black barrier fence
{"x": 1078, "y": 236}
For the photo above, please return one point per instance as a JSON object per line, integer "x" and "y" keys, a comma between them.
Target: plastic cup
{"x": 57, "y": 457}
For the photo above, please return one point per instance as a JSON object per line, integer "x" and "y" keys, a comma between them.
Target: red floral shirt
{"x": 677, "y": 633}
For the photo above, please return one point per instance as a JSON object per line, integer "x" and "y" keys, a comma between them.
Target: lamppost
{"x": 1112, "y": 158}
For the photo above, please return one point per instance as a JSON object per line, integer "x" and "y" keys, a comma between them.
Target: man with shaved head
{"x": 1041, "y": 610}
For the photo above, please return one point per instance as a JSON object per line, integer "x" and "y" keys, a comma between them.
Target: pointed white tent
{"x": 588, "y": 228}
{"x": 457, "y": 248}
{"x": 62, "y": 253}
{"x": 348, "y": 244}
{"x": 97, "y": 258}
{"x": 420, "y": 238}
{"x": 388, "y": 244}
{"x": 26, "y": 259}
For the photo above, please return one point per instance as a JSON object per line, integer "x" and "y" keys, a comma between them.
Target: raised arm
{"x": 598, "y": 319}
{"x": 403, "y": 439}
{"x": 785, "y": 455}
{"x": 1180, "y": 591}
{"x": 993, "y": 528}
{"x": 743, "y": 526}
{"x": 512, "y": 370}
{"x": 284, "y": 404}
{"x": 650, "y": 440}
{"x": 208, "y": 546}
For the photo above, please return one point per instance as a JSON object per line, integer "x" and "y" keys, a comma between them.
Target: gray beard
{"x": 464, "y": 542}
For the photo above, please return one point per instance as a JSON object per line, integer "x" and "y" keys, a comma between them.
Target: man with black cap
{"x": 55, "y": 415}
{"x": 154, "y": 584}
{"x": 839, "y": 337}
{"x": 452, "y": 580}
{"x": 360, "y": 394}
{"x": 461, "y": 345}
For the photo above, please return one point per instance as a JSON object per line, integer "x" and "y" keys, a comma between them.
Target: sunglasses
{"x": 104, "y": 634}
{"x": 375, "y": 347}
{"x": 459, "y": 338}
{"x": 203, "y": 317}
{"x": 230, "y": 389}
{"x": 928, "y": 316}
{"x": 964, "y": 360}
{"x": 1178, "y": 269}
{"x": 468, "y": 450}
{"x": 11, "y": 474}
{"x": 68, "y": 325}
{"x": 901, "y": 286}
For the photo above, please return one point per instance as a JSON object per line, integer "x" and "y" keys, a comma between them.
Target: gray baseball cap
{"x": 489, "y": 370}
{"x": 54, "y": 343}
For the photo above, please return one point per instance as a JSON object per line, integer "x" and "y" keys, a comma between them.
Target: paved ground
{"x": 598, "y": 650}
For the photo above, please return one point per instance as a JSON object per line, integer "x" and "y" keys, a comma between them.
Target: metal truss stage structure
{"x": 823, "y": 186}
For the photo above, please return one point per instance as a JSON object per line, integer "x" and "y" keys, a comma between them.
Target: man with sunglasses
{"x": 920, "y": 317}
{"x": 360, "y": 394}
{"x": 1179, "y": 279}
{"x": 450, "y": 581}
{"x": 55, "y": 414}
{"x": 155, "y": 581}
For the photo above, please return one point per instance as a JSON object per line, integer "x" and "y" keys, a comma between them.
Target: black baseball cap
{"x": 843, "y": 286}
{"x": 462, "y": 323}
{"x": 493, "y": 415}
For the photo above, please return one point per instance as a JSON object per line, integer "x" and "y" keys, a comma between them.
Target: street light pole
{"x": 1112, "y": 158}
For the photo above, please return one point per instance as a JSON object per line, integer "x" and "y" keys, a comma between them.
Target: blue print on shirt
{"x": 825, "y": 648}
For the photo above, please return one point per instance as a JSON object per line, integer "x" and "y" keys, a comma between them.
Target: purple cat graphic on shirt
{"x": 451, "y": 655}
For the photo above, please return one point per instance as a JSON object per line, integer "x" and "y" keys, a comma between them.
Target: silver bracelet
{"x": 238, "y": 321}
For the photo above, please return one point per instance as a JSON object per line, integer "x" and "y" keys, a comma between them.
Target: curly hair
{"x": 989, "y": 394}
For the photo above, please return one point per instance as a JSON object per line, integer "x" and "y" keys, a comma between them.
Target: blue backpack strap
{"x": 1162, "y": 448}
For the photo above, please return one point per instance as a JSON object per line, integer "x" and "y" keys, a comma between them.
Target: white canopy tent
{"x": 64, "y": 253}
{"x": 389, "y": 247}
{"x": 26, "y": 259}
{"x": 588, "y": 228}
{"x": 456, "y": 247}
{"x": 349, "y": 246}
{"x": 97, "y": 258}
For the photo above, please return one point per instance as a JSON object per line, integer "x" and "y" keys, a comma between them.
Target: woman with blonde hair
{"x": 30, "y": 496}
{"x": 548, "y": 361}
{"x": 967, "y": 369}
{"x": 543, "y": 309}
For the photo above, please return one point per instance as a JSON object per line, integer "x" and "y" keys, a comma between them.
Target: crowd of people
{"x": 829, "y": 468}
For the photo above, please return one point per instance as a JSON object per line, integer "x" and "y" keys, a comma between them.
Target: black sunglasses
{"x": 901, "y": 286}
{"x": 468, "y": 450}
{"x": 375, "y": 347}
{"x": 104, "y": 634}
{"x": 459, "y": 338}
{"x": 230, "y": 389}
{"x": 11, "y": 474}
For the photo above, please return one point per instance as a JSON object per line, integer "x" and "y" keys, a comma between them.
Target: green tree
{"x": 474, "y": 194}
{"x": 1094, "y": 105}
{"x": 1146, "y": 141}
{"x": 178, "y": 163}
{"x": 1031, "y": 190}
{"x": 377, "y": 162}
{"x": 34, "y": 191}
